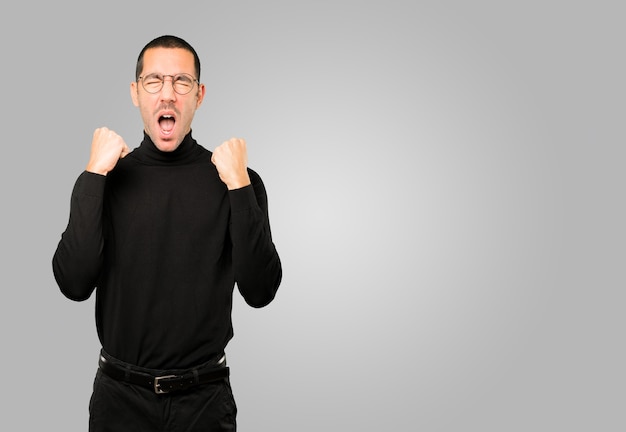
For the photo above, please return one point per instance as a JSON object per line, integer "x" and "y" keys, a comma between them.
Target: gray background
{"x": 445, "y": 184}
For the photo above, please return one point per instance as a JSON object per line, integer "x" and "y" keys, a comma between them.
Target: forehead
{"x": 168, "y": 61}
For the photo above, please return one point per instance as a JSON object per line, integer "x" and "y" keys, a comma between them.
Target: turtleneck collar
{"x": 148, "y": 153}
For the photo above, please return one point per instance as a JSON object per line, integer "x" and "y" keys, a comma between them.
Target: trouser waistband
{"x": 163, "y": 381}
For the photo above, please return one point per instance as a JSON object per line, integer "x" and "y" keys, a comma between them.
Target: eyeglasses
{"x": 182, "y": 83}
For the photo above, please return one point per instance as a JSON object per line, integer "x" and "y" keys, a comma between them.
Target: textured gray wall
{"x": 446, "y": 189}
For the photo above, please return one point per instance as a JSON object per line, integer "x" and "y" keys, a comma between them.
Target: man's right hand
{"x": 107, "y": 148}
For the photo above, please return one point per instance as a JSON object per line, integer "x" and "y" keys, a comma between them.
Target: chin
{"x": 167, "y": 146}
{"x": 165, "y": 143}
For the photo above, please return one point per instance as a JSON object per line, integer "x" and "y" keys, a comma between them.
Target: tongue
{"x": 167, "y": 124}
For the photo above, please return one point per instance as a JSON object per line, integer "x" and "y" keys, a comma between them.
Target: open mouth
{"x": 166, "y": 123}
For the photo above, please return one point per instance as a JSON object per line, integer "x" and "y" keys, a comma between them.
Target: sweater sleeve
{"x": 257, "y": 266}
{"x": 77, "y": 261}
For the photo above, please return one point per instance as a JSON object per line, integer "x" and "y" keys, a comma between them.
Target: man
{"x": 162, "y": 234}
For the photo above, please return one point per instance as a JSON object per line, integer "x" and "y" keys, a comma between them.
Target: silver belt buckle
{"x": 157, "y": 385}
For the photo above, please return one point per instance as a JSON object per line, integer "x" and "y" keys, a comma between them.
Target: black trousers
{"x": 117, "y": 406}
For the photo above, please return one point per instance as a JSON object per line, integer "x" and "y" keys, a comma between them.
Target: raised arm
{"x": 258, "y": 270}
{"x": 77, "y": 261}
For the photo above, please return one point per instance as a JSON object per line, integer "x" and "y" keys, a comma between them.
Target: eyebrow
{"x": 172, "y": 75}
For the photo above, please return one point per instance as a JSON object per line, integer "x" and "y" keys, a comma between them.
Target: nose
{"x": 167, "y": 92}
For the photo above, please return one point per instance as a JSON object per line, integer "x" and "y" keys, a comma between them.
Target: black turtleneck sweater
{"x": 163, "y": 242}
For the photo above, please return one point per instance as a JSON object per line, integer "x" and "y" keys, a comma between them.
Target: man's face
{"x": 166, "y": 114}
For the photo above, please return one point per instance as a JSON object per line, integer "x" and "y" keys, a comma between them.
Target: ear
{"x": 133, "y": 93}
{"x": 201, "y": 92}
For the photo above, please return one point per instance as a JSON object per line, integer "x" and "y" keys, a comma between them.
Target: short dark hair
{"x": 168, "y": 41}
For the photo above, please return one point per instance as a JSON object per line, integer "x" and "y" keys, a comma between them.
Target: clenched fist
{"x": 231, "y": 161}
{"x": 107, "y": 148}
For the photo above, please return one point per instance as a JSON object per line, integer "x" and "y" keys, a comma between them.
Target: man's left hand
{"x": 231, "y": 161}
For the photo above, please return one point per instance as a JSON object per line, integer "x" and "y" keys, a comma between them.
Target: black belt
{"x": 168, "y": 382}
